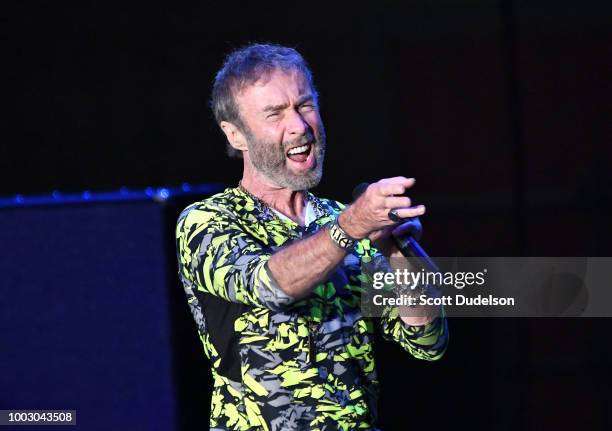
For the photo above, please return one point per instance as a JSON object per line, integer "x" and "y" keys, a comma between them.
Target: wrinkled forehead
{"x": 273, "y": 86}
{"x": 263, "y": 76}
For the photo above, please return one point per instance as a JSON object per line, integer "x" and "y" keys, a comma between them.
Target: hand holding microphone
{"x": 377, "y": 207}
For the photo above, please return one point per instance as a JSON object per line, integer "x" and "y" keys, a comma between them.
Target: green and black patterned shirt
{"x": 280, "y": 363}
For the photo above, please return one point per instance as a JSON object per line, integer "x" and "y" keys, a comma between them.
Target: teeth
{"x": 298, "y": 150}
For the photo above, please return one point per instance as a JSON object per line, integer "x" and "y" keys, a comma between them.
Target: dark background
{"x": 498, "y": 108}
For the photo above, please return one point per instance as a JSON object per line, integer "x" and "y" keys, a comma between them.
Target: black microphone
{"x": 405, "y": 243}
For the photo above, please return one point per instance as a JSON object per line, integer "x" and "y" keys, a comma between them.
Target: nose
{"x": 296, "y": 124}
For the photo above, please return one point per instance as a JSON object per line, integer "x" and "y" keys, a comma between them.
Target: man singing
{"x": 273, "y": 273}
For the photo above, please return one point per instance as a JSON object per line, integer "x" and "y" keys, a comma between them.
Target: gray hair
{"x": 246, "y": 66}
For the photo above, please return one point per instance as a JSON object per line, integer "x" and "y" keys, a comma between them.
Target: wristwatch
{"x": 340, "y": 237}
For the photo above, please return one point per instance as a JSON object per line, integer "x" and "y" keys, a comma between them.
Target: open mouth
{"x": 300, "y": 154}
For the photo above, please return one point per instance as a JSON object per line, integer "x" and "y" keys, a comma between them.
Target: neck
{"x": 289, "y": 202}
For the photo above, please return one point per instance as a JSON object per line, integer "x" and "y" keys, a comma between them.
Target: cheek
{"x": 270, "y": 134}
{"x": 314, "y": 121}
{"x": 275, "y": 135}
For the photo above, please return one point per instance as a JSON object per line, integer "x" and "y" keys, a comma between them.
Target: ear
{"x": 234, "y": 136}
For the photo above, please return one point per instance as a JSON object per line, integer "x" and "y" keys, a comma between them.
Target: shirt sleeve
{"x": 428, "y": 342}
{"x": 218, "y": 257}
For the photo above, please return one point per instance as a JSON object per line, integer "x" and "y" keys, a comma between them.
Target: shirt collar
{"x": 309, "y": 217}
{"x": 316, "y": 210}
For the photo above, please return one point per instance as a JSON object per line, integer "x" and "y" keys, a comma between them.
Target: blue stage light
{"x": 163, "y": 193}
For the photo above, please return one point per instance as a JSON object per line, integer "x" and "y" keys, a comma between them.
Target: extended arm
{"x": 299, "y": 267}
{"x": 219, "y": 257}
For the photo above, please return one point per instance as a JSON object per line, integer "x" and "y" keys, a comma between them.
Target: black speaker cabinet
{"x": 92, "y": 316}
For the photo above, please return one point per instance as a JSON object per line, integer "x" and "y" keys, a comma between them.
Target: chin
{"x": 300, "y": 182}
{"x": 307, "y": 182}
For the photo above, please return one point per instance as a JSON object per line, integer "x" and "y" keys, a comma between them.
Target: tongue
{"x": 299, "y": 157}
